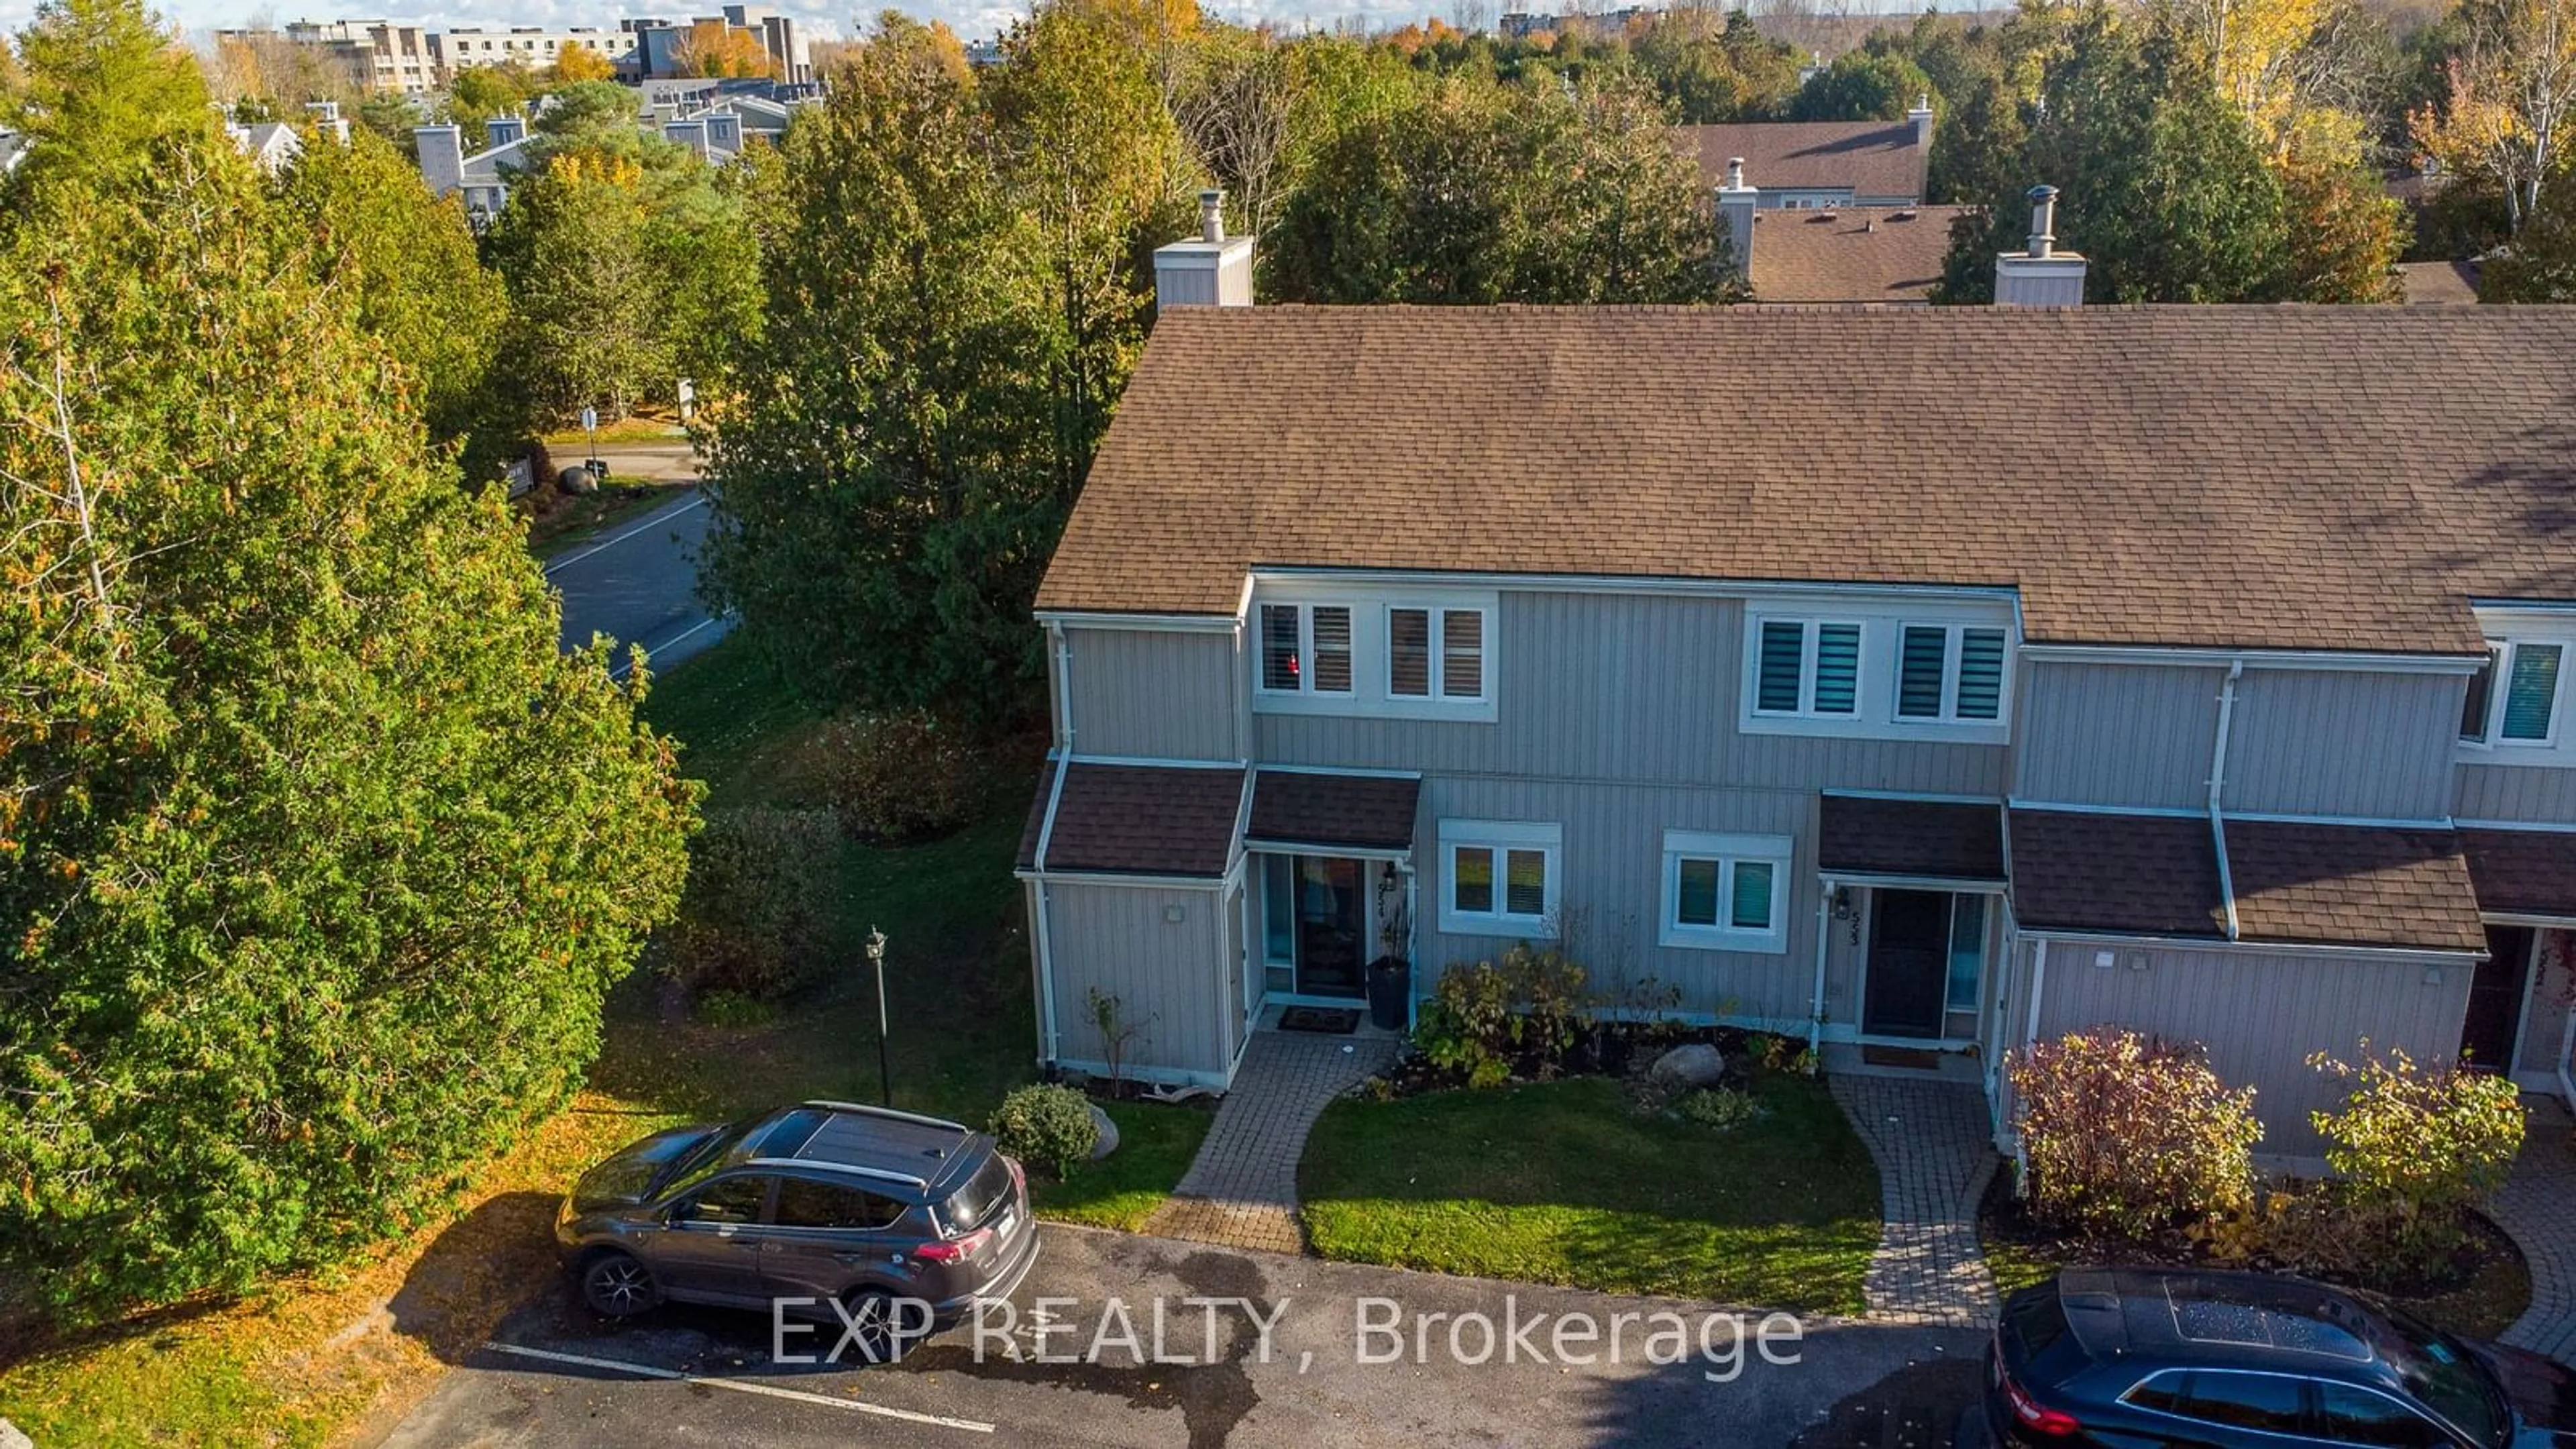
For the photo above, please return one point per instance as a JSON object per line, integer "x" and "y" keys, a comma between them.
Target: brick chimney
{"x": 2040, "y": 275}
{"x": 1207, "y": 270}
{"x": 1921, "y": 116}
{"x": 442, "y": 157}
{"x": 1736, "y": 204}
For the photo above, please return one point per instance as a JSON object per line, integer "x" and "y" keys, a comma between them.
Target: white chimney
{"x": 1207, "y": 270}
{"x": 1736, "y": 204}
{"x": 442, "y": 158}
{"x": 1921, "y": 116}
{"x": 2041, "y": 276}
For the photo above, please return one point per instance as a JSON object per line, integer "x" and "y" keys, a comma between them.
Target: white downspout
{"x": 2217, "y": 791}
{"x": 1824, "y": 930}
{"x": 1413, "y": 946}
{"x": 2030, "y": 1040}
{"x": 1063, "y": 672}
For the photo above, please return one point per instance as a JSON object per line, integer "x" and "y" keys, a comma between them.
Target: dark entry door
{"x": 2495, "y": 999}
{"x": 1909, "y": 963}
{"x": 1328, "y": 926}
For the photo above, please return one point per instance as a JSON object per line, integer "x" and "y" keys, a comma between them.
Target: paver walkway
{"x": 1934, "y": 1161}
{"x": 2538, "y": 1209}
{"x": 1241, "y": 1190}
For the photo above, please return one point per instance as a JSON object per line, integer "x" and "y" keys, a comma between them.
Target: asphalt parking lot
{"x": 1249, "y": 1349}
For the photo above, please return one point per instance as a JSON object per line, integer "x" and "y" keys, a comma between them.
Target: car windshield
{"x": 2438, "y": 1370}
{"x": 986, "y": 1190}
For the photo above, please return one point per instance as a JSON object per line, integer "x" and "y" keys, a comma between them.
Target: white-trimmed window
{"x": 2514, "y": 700}
{"x": 1499, "y": 877}
{"x": 1726, "y": 892}
{"x": 1305, "y": 649}
{"x": 1949, "y": 672}
{"x": 1432, "y": 648}
{"x": 1807, "y": 668}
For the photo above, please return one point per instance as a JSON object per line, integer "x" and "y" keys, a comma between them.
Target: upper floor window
{"x": 2514, "y": 698}
{"x": 1941, "y": 669}
{"x": 1425, "y": 644}
{"x": 1306, "y": 648}
{"x": 1809, "y": 668}
{"x": 1949, "y": 672}
{"x": 1725, "y": 892}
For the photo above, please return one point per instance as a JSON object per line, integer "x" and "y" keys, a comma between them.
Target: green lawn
{"x": 1565, "y": 1182}
{"x": 1155, "y": 1145}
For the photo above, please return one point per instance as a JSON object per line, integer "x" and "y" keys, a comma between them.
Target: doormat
{"x": 1331, "y": 1020}
{"x": 1913, "y": 1058}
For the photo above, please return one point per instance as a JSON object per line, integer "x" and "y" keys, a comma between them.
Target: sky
{"x": 973, "y": 19}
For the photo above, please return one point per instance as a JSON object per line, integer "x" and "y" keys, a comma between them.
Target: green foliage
{"x": 1118, "y": 1032}
{"x": 406, "y": 262}
{"x": 311, "y": 896}
{"x": 107, "y": 90}
{"x": 1860, "y": 86}
{"x": 1480, "y": 193}
{"x": 477, "y": 93}
{"x": 896, "y": 777}
{"x": 586, "y": 108}
{"x": 2539, "y": 265}
{"x": 1719, "y": 1111}
{"x": 2124, "y": 1135}
{"x": 1486, "y": 1022}
{"x": 757, "y": 917}
{"x": 1776, "y": 1053}
{"x": 1713, "y": 69}
{"x": 1976, "y": 148}
{"x": 1047, "y": 1125}
{"x": 2416, "y": 1148}
{"x": 732, "y": 1008}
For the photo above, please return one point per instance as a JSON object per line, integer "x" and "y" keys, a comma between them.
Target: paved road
{"x": 556, "y": 1375}
{"x": 638, "y": 584}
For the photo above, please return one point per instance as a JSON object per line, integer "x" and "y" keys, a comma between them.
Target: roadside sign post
{"x": 590, "y": 425}
{"x": 885, "y": 1071}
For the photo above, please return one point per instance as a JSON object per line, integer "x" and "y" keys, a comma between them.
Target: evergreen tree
{"x": 106, "y": 85}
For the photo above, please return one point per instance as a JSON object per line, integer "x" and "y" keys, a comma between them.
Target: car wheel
{"x": 873, "y": 1325}
{"x": 617, "y": 1286}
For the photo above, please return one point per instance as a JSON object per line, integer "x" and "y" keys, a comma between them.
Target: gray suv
{"x": 897, "y": 1224}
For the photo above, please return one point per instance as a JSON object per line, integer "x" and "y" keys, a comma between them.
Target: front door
{"x": 2495, "y": 999}
{"x": 1909, "y": 963}
{"x": 1331, "y": 916}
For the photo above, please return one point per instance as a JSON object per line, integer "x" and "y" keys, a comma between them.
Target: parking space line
{"x": 800, "y": 1396}
{"x": 624, "y": 661}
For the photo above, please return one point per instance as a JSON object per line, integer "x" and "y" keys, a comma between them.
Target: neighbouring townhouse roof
{"x": 1137, "y": 820}
{"x": 2439, "y": 283}
{"x": 1854, "y": 254}
{"x": 1363, "y": 812}
{"x": 1946, "y": 840}
{"x": 2297, "y": 882}
{"x": 2522, "y": 872}
{"x": 2234, "y": 477}
{"x": 1872, "y": 158}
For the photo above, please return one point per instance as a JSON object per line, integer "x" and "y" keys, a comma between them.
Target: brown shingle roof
{"x": 1137, "y": 820}
{"x": 2249, "y": 477}
{"x": 2439, "y": 283}
{"x": 1857, "y": 254}
{"x": 1300, "y": 807}
{"x": 1943, "y": 839}
{"x": 2350, "y": 885}
{"x": 2147, "y": 875}
{"x": 2523, "y": 872}
{"x": 1873, "y": 158}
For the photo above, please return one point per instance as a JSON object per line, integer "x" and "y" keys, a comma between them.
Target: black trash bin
{"x": 1389, "y": 979}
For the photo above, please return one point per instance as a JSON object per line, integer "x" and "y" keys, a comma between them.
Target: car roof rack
{"x": 880, "y": 1174}
{"x": 865, "y": 1110}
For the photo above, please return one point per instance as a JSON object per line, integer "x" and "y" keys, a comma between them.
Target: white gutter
{"x": 1413, "y": 946}
{"x": 1063, "y": 766}
{"x": 2427, "y": 955}
{"x": 2218, "y": 789}
{"x": 1824, "y": 927}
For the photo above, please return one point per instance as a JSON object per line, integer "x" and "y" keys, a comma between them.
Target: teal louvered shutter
{"x": 1837, "y": 668}
{"x": 1921, "y": 664}
{"x": 2531, "y": 693}
{"x": 1981, "y": 673}
{"x": 1784, "y": 658}
{"x": 1751, "y": 908}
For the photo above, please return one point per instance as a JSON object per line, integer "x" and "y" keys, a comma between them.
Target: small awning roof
{"x": 1153, "y": 820}
{"x": 2297, "y": 882}
{"x": 2523, "y": 872}
{"x": 1348, "y": 812}
{"x": 1933, "y": 839}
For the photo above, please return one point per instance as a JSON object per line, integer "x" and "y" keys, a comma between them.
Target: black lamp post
{"x": 885, "y": 1071}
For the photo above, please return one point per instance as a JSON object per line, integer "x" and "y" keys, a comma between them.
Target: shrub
{"x": 1047, "y": 1125}
{"x": 1778, "y": 1053}
{"x": 895, "y": 777}
{"x": 755, "y": 919}
{"x": 2123, "y": 1134}
{"x": 1719, "y": 1111}
{"x": 1487, "y": 1022}
{"x": 732, "y": 1008}
{"x": 2416, "y": 1148}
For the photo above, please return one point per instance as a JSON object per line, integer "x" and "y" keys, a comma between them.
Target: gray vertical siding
{"x": 1166, "y": 974}
{"x": 1625, "y": 687}
{"x": 2261, "y": 1014}
{"x": 2115, "y": 734}
{"x": 2516, "y": 792}
{"x": 1164, "y": 694}
{"x": 2319, "y": 742}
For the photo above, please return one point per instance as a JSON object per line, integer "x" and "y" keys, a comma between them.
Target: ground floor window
{"x": 1725, "y": 892}
{"x": 1500, "y": 877}
{"x": 1967, "y": 950}
{"x": 1279, "y": 909}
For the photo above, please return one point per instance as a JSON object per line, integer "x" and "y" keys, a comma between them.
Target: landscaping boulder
{"x": 13, "y": 1437}
{"x": 1108, "y": 1142}
{"x": 577, "y": 481}
{"x": 1695, "y": 1065}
